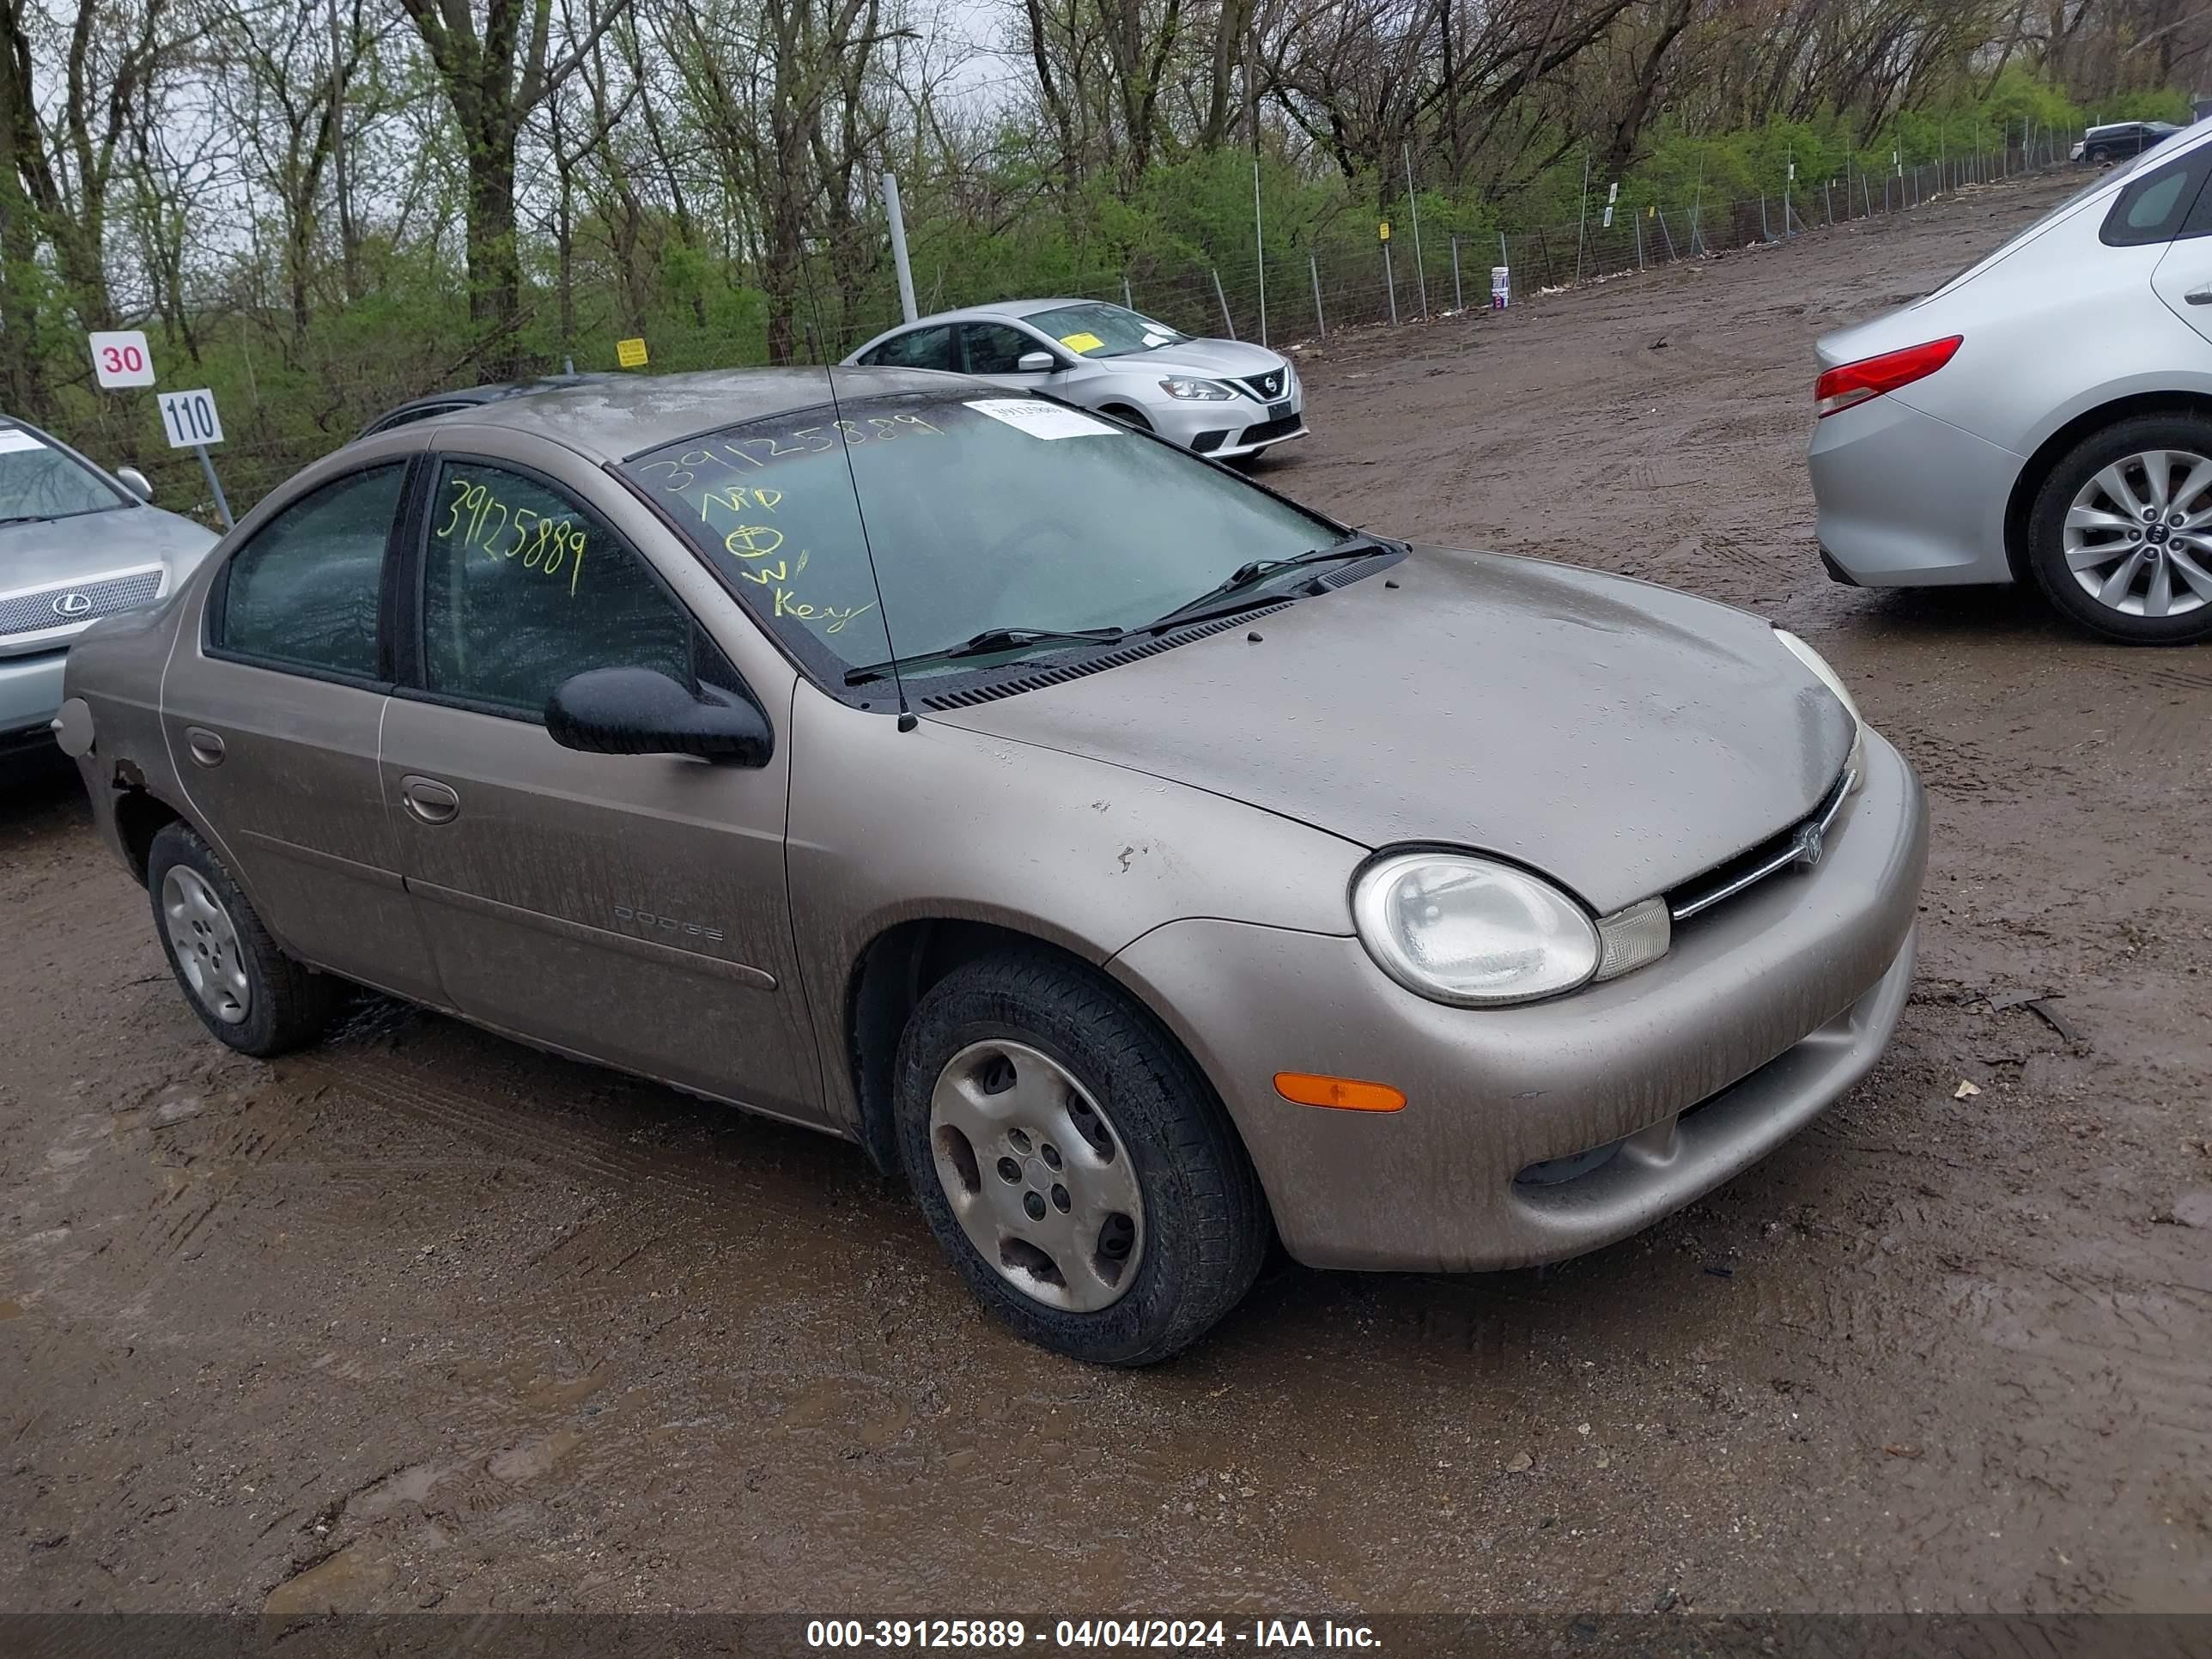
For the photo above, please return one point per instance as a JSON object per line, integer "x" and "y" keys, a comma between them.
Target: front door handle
{"x": 204, "y": 746}
{"x": 431, "y": 801}
{"x": 2199, "y": 296}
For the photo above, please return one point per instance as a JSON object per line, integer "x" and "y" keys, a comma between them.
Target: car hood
{"x": 46, "y": 553}
{"x": 1206, "y": 359}
{"x": 57, "y": 553}
{"x": 1620, "y": 737}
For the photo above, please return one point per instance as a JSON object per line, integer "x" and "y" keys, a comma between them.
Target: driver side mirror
{"x": 135, "y": 481}
{"x": 640, "y": 711}
{"x": 1036, "y": 363}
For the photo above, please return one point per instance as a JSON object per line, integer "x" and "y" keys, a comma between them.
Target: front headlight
{"x": 1855, "y": 764}
{"x": 1460, "y": 929}
{"x": 1203, "y": 392}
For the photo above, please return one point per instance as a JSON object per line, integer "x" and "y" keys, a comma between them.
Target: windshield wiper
{"x": 982, "y": 645}
{"x": 1357, "y": 546}
{"x": 30, "y": 518}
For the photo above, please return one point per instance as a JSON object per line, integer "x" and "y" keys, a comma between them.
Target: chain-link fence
{"x": 1353, "y": 281}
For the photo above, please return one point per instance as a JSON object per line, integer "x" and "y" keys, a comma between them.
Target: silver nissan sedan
{"x": 1227, "y": 399}
{"x": 1144, "y": 865}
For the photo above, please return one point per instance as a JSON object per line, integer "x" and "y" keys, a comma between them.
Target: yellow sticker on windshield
{"x": 1081, "y": 342}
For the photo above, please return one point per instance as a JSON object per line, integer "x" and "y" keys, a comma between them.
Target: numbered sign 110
{"x": 190, "y": 419}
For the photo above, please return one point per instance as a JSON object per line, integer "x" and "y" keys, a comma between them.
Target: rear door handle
{"x": 2199, "y": 296}
{"x": 431, "y": 801}
{"x": 204, "y": 746}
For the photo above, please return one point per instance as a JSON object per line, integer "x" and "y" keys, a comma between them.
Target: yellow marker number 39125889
{"x": 479, "y": 518}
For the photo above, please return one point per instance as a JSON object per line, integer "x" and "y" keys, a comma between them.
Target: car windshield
{"x": 983, "y": 512}
{"x": 38, "y": 481}
{"x": 1094, "y": 328}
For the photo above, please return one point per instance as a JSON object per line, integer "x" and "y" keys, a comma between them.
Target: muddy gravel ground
{"x": 421, "y": 1319}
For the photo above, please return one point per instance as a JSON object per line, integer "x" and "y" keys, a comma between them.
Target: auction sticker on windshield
{"x": 1041, "y": 419}
{"x": 12, "y": 438}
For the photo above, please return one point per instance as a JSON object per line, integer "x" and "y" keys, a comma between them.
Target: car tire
{"x": 1097, "y": 1107}
{"x": 1124, "y": 413}
{"x": 2079, "y": 480}
{"x": 244, "y": 990}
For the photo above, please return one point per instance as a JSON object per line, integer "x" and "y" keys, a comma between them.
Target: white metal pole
{"x": 1582, "y": 230}
{"x": 898, "y": 246}
{"x": 1260, "y": 247}
{"x": 1414, "y": 203}
{"x": 221, "y": 502}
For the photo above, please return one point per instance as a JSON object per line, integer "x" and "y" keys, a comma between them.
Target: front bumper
{"x": 30, "y": 694}
{"x": 1228, "y": 431}
{"x": 1768, "y": 1007}
{"x": 1908, "y": 501}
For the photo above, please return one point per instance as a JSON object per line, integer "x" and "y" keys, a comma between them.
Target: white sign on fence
{"x": 1501, "y": 287}
{"x": 119, "y": 358}
{"x": 190, "y": 419}
{"x": 1612, "y": 195}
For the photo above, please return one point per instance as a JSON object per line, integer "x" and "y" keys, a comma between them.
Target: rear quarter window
{"x": 2160, "y": 205}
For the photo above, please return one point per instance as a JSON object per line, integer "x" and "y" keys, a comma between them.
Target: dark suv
{"x": 2120, "y": 141}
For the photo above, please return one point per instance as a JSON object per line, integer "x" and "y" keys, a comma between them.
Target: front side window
{"x": 40, "y": 481}
{"x": 522, "y": 588}
{"x": 983, "y": 512}
{"x": 996, "y": 349}
{"x": 1094, "y": 328}
{"x": 303, "y": 593}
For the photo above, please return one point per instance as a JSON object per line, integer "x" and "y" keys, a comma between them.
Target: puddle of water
{"x": 346, "y": 1583}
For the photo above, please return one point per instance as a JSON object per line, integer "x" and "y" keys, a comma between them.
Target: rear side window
{"x": 921, "y": 347}
{"x": 303, "y": 593}
{"x": 2160, "y": 205}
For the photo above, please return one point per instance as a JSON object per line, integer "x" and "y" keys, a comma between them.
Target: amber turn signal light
{"x": 1345, "y": 1094}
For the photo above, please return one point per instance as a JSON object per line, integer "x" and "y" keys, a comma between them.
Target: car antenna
{"x": 907, "y": 720}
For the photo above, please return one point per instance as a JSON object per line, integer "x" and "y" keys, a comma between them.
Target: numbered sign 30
{"x": 189, "y": 417}
{"x": 119, "y": 358}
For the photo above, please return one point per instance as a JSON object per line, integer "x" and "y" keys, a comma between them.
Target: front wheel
{"x": 1074, "y": 1162}
{"x": 2120, "y": 536}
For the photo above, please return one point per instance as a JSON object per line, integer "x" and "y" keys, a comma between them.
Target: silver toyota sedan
{"x": 2044, "y": 416}
{"x": 77, "y": 544}
{"x": 1144, "y": 865}
{"x": 1226, "y": 398}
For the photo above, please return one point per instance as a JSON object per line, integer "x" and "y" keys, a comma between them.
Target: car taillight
{"x": 1854, "y": 383}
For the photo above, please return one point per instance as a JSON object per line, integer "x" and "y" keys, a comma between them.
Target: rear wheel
{"x": 1074, "y": 1162}
{"x": 244, "y": 990}
{"x": 2120, "y": 536}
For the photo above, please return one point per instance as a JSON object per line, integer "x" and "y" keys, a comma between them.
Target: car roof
{"x": 996, "y": 309}
{"x": 621, "y": 416}
{"x": 432, "y": 404}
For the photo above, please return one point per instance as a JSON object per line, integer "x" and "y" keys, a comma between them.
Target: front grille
{"x": 1269, "y": 386}
{"x": 70, "y": 604}
{"x": 1798, "y": 846}
{"x": 1268, "y": 430}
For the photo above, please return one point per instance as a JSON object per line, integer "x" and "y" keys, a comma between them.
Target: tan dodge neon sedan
{"x": 1198, "y": 871}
